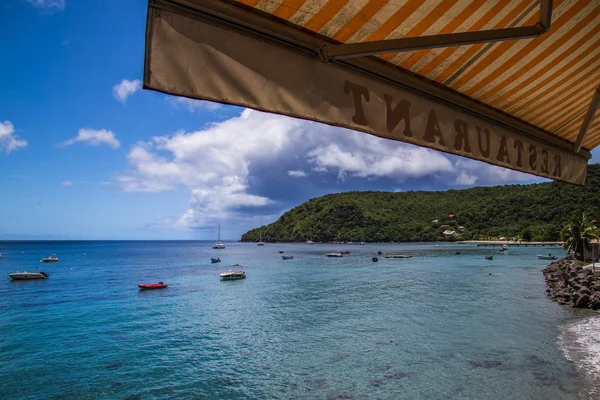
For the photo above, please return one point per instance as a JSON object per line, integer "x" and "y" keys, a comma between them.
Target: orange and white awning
{"x": 511, "y": 83}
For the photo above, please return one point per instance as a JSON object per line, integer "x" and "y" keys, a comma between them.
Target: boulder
{"x": 594, "y": 302}
{"x": 584, "y": 290}
{"x": 582, "y": 301}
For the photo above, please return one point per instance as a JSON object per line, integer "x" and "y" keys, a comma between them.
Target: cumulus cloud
{"x": 8, "y": 140}
{"x": 297, "y": 173}
{"x": 471, "y": 172}
{"x": 94, "y": 138}
{"x": 366, "y": 157}
{"x": 125, "y": 89}
{"x": 240, "y": 168}
{"x": 48, "y": 5}
{"x": 194, "y": 105}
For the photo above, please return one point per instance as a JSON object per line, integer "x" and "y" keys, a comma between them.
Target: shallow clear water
{"x": 436, "y": 326}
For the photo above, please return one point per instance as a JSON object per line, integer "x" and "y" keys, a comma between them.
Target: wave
{"x": 580, "y": 343}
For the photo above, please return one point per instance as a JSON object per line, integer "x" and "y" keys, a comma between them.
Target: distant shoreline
{"x": 509, "y": 243}
{"x": 477, "y": 242}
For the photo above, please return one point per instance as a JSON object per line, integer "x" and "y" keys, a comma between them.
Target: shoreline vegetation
{"x": 509, "y": 213}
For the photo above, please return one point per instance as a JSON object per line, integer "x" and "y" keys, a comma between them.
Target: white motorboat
{"x": 23, "y": 276}
{"x": 233, "y": 274}
{"x": 310, "y": 242}
{"x": 335, "y": 254}
{"x": 260, "y": 242}
{"x": 219, "y": 245}
{"x": 51, "y": 258}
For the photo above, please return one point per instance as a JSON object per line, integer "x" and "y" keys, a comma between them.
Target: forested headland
{"x": 528, "y": 212}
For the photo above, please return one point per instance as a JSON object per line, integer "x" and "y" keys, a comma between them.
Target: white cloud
{"x": 48, "y": 5}
{"x": 66, "y": 183}
{"x": 195, "y": 105}
{"x": 94, "y": 138}
{"x": 125, "y": 89}
{"x": 8, "y": 140}
{"x": 465, "y": 179}
{"x": 364, "y": 156}
{"x": 223, "y": 164}
{"x": 471, "y": 172}
{"x": 297, "y": 173}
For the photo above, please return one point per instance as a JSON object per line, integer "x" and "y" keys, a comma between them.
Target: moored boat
{"x": 335, "y": 254}
{"x": 374, "y": 259}
{"x": 281, "y": 251}
{"x": 287, "y": 257}
{"x": 544, "y": 257}
{"x": 215, "y": 260}
{"x": 398, "y": 256}
{"x": 310, "y": 242}
{"x": 233, "y": 274}
{"x": 489, "y": 257}
{"x": 23, "y": 276}
{"x": 150, "y": 286}
{"x": 51, "y": 258}
{"x": 219, "y": 245}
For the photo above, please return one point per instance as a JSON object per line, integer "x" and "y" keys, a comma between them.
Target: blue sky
{"x": 86, "y": 154}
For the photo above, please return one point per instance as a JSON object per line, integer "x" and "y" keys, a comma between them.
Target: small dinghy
{"x": 215, "y": 260}
{"x": 374, "y": 259}
{"x": 287, "y": 257}
{"x": 281, "y": 251}
{"x": 24, "y": 276}
{"x": 489, "y": 257}
{"x": 149, "y": 286}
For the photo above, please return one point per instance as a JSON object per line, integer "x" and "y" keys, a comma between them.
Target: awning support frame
{"x": 587, "y": 121}
{"x": 230, "y": 14}
{"x": 332, "y": 52}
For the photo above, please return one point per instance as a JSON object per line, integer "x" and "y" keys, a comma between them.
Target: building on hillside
{"x": 448, "y": 234}
{"x": 451, "y": 215}
{"x": 462, "y": 228}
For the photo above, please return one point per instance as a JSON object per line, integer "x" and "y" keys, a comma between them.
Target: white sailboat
{"x": 260, "y": 242}
{"x": 219, "y": 244}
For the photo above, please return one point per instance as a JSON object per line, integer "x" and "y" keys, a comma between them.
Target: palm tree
{"x": 578, "y": 233}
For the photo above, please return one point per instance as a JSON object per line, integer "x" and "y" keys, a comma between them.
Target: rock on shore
{"x": 569, "y": 283}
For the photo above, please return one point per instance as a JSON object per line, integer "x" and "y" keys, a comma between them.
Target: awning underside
{"x": 547, "y": 81}
{"x": 529, "y": 104}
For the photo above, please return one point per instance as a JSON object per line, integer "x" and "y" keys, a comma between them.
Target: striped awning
{"x": 543, "y": 87}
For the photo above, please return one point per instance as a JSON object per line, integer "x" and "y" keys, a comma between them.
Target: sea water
{"x": 435, "y": 326}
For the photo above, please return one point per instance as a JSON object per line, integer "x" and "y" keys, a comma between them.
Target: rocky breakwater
{"x": 569, "y": 283}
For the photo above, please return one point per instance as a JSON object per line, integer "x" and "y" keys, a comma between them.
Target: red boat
{"x": 159, "y": 285}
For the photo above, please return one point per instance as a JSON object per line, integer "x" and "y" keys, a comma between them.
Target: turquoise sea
{"x": 436, "y": 326}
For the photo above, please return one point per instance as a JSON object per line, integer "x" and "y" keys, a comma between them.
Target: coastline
{"x": 569, "y": 283}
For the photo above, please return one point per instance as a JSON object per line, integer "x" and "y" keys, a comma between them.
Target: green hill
{"x": 532, "y": 212}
